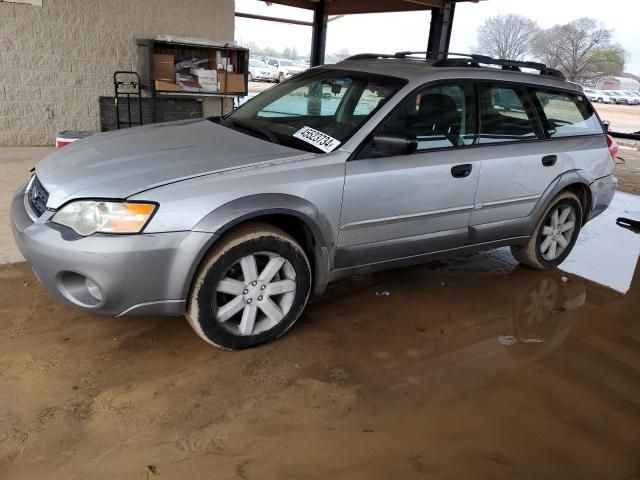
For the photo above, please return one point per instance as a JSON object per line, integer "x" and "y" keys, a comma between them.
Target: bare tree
{"x": 507, "y": 36}
{"x": 571, "y": 47}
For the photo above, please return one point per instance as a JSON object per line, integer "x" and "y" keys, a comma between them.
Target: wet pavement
{"x": 467, "y": 368}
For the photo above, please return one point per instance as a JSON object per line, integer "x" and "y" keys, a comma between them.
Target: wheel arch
{"x": 572, "y": 181}
{"x": 294, "y": 215}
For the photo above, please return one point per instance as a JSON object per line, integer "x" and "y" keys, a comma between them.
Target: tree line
{"x": 581, "y": 49}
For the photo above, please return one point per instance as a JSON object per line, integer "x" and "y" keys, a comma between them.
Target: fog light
{"x": 94, "y": 290}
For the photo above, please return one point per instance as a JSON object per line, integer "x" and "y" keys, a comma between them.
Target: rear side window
{"x": 568, "y": 115}
{"x": 506, "y": 115}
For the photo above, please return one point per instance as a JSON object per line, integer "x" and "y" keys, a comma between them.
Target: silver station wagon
{"x": 376, "y": 162}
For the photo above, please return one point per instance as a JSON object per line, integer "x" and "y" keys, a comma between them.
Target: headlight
{"x": 91, "y": 216}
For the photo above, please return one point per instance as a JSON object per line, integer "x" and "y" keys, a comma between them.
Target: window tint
{"x": 568, "y": 115}
{"x": 505, "y": 115}
{"x": 325, "y": 96}
{"x": 439, "y": 116}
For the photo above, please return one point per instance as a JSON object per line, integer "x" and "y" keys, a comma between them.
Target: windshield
{"x": 257, "y": 63}
{"x": 316, "y": 111}
{"x": 286, "y": 63}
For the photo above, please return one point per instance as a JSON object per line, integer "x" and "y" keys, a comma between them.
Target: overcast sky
{"x": 390, "y": 32}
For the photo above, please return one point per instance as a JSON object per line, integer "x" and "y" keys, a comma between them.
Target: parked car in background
{"x": 284, "y": 68}
{"x": 369, "y": 164}
{"x": 599, "y": 96}
{"x": 622, "y": 98}
{"x": 260, "y": 71}
{"x": 636, "y": 95}
{"x": 591, "y": 94}
{"x": 602, "y": 96}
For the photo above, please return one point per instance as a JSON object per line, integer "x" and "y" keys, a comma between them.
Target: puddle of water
{"x": 606, "y": 253}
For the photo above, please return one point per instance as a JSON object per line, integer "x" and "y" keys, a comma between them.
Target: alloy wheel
{"x": 255, "y": 294}
{"x": 557, "y": 231}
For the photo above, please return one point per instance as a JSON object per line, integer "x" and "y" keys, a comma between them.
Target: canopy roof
{"x": 346, "y": 7}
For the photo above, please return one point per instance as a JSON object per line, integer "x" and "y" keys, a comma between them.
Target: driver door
{"x": 404, "y": 205}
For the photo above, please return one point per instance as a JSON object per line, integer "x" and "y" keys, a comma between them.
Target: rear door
{"x": 575, "y": 132}
{"x": 517, "y": 165}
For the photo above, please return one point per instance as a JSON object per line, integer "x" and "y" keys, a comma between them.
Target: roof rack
{"x": 466, "y": 60}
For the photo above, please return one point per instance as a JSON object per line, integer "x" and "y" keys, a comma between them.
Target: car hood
{"x": 120, "y": 164}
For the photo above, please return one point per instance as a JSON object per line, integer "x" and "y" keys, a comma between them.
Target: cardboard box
{"x": 231, "y": 82}
{"x": 163, "y": 86}
{"x": 164, "y": 68}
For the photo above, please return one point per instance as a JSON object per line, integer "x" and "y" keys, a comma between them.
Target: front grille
{"x": 37, "y": 196}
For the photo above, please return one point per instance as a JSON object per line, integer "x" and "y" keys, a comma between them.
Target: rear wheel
{"x": 250, "y": 289}
{"x": 554, "y": 236}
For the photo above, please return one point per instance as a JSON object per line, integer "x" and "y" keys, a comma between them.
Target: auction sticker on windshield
{"x": 318, "y": 139}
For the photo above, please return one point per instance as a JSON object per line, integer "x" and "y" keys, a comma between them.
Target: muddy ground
{"x": 469, "y": 368}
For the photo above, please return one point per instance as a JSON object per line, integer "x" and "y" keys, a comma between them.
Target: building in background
{"x": 618, "y": 83}
{"x": 57, "y": 59}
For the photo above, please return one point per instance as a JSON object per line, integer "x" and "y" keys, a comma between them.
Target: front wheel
{"x": 250, "y": 289}
{"x": 281, "y": 78}
{"x": 250, "y": 77}
{"x": 554, "y": 236}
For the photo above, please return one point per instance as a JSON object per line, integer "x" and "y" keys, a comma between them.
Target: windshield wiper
{"x": 263, "y": 132}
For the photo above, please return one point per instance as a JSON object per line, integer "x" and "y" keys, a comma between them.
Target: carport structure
{"x": 442, "y": 12}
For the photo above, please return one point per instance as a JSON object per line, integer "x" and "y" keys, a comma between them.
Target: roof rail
{"x": 512, "y": 65}
{"x": 465, "y": 60}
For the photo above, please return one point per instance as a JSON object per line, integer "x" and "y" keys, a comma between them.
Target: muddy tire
{"x": 250, "y": 289}
{"x": 554, "y": 236}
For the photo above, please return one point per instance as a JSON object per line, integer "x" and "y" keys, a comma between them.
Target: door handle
{"x": 461, "y": 171}
{"x": 549, "y": 160}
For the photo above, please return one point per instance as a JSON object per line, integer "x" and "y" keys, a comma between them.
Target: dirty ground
{"x": 468, "y": 368}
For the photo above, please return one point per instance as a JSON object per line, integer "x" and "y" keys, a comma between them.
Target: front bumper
{"x": 135, "y": 274}
{"x": 602, "y": 192}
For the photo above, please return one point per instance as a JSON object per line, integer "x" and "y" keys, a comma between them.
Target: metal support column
{"x": 440, "y": 31}
{"x": 319, "y": 35}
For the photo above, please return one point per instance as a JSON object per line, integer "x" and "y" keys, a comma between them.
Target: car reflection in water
{"x": 463, "y": 334}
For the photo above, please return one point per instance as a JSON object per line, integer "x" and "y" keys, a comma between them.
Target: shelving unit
{"x": 231, "y": 84}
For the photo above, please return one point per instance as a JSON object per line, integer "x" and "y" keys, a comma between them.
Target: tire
{"x": 250, "y": 77}
{"x": 221, "y": 313}
{"x": 281, "y": 78}
{"x": 539, "y": 252}
{"x": 599, "y": 100}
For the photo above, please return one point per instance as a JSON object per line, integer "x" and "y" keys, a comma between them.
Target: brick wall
{"x": 58, "y": 59}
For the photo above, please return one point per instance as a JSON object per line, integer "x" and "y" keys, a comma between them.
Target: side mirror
{"x": 606, "y": 124}
{"x": 394, "y": 144}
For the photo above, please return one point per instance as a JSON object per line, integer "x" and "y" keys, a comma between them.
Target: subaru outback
{"x": 377, "y": 162}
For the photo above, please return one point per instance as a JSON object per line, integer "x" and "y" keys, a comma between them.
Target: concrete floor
{"x": 471, "y": 368}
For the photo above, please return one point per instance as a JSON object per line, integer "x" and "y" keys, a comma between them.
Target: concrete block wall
{"x": 58, "y": 59}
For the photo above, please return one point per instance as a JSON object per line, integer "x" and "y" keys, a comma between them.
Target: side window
{"x": 568, "y": 115}
{"x": 506, "y": 115}
{"x": 438, "y": 116}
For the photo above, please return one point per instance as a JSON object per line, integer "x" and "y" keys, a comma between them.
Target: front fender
{"x": 244, "y": 209}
